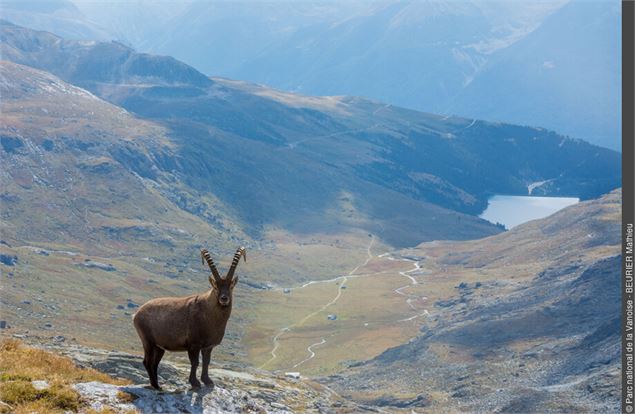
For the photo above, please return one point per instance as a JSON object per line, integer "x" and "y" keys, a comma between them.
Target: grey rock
{"x": 107, "y": 267}
{"x": 8, "y": 259}
{"x": 234, "y": 391}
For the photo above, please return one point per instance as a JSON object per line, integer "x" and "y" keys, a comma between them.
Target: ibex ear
{"x": 212, "y": 282}
{"x": 234, "y": 281}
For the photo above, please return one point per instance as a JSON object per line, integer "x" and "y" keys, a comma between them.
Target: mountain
{"x": 378, "y": 157}
{"x": 58, "y": 16}
{"x": 417, "y": 54}
{"x": 524, "y": 321}
{"x": 566, "y": 74}
{"x": 96, "y": 220}
{"x": 85, "y": 162}
{"x": 121, "y": 165}
{"x": 511, "y": 62}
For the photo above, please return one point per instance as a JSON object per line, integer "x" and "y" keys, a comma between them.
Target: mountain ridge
{"x": 414, "y": 160}
{"x": 435, "y": 56}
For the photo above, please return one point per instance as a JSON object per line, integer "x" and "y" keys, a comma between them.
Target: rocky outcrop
{"x": 218, "y": 400}
{"x": 245, "y": 391}
{"x": 551, "y": 347}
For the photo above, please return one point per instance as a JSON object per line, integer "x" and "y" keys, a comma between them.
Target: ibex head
{"x": 223, "y": 287}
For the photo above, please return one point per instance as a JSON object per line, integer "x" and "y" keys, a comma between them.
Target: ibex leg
{"x": 194, "y": 362}
{"x": 207, "y": 353}
{"x": 157, "y": 354}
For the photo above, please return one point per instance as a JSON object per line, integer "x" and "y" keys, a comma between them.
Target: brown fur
{"x": 195, "y": 324}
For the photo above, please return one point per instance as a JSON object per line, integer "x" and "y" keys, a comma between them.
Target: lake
{"x": 514, "y": 210}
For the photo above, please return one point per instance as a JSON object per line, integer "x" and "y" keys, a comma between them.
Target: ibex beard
{"x": 195, "y": 324}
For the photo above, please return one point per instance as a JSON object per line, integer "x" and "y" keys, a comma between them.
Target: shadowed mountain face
{"x": 531, "y": 327}
{"x": 76, "y": 171}
{"x": 538, "y": 81}
{"x": 294, "y": 161}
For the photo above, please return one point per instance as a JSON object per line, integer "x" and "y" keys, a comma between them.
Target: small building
{"x": 295, "y": 375}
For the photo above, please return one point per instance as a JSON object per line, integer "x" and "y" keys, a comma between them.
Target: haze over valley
{"x": 551, "y": 64}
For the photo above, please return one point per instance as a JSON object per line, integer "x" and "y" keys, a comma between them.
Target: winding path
{"x": 413, "y": 282}
{"x": 410, "y": 297}
{"x": 276, "y": 338}
{"x": 293, "y": 145}
{"x": 311, "y": 353}
{"x": 471, "y": 125}
{"x": 344, "y": 279}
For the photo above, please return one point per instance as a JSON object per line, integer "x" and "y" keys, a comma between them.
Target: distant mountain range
{"x": 294, "y": 161}
{"x": 552, "y": 64}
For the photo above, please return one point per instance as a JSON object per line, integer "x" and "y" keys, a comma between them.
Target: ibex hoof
{"x": 208, "y": 382}
{"x": 195, "y": 383}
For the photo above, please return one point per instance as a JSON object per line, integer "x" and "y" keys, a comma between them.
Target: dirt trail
{"x": 276, "y": 338}
{"x": 343, "y": 279}
{"x": 311, "y": 353}
{"x": 293, "y": 145}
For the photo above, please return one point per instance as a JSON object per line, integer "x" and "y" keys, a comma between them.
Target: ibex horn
{"x": 241, "y": 252}
{"x": 206, "y": 257}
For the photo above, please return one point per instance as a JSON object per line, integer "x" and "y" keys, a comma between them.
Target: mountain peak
{"x": 92, "y": 63}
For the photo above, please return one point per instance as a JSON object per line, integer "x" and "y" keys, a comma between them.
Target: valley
{"x": 393, "y": 297}
{"x": 414, "y": 323}
{"x": 358, "y": 307}
{"x": 519, "y": 321}
{"x": 368, "y": 268}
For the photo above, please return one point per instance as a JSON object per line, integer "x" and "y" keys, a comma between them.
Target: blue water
{"x": 514, "y": 210}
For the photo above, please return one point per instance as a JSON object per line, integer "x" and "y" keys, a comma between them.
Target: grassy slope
{"x": 20, "y": 365}
{"x": 545, "y": 288}
{"x": 69, "y": 198}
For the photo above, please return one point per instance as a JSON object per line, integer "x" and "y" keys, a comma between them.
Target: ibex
{"x": 195, "y": 324}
